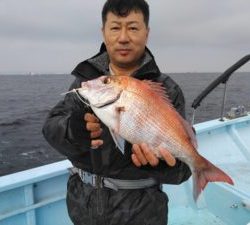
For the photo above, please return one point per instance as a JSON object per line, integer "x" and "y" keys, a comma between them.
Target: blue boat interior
{"x": 37, "y": 196}
{"x": 227, "y": 145}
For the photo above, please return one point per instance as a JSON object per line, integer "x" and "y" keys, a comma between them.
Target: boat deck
{"x": 226, "y": 144}
{"x": 229, "y": 148}
{"x": 240, "y": 172}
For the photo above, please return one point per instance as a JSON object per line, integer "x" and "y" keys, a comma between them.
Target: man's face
{"x": 125, "y": 38}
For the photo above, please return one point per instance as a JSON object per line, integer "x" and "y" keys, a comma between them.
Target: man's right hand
{"x": 94, "y": 127}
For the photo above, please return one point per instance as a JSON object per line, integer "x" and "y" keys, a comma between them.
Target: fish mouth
{"x": 82, "y": 99}
{"x": 109, "y": 102}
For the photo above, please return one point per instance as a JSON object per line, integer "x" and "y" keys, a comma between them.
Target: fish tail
{"x": 205, "y": 173}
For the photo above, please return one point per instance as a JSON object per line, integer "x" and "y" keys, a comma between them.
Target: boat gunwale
{"x": 34, "y": 175}
{"x": 217, "y": 123}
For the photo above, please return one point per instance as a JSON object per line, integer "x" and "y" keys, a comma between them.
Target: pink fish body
{"x": 140, "y": 112}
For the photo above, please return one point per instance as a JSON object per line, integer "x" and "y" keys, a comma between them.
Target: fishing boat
{"x": 37, "y": 196}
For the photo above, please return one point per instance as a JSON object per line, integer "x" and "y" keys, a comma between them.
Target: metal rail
{"x": 222, "y": 79}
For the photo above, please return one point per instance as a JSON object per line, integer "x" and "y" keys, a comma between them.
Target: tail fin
{"x": 207, "y": 173}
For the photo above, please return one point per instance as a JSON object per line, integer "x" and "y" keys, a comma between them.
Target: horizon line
{"x": 64, "y": 73}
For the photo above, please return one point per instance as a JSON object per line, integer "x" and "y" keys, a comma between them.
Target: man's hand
{"x": 93, "y": 125}
{"x": 142, "y": 155}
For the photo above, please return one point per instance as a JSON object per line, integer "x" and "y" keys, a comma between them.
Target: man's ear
{"x": 147, "y": 35}
{"x": 103, "y": 36}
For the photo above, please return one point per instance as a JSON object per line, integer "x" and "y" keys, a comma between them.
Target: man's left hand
{"x": 142, "y": 155}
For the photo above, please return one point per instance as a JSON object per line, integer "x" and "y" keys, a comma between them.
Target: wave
{"x": 16, "y": 122}
{"x": 43, "y": 111}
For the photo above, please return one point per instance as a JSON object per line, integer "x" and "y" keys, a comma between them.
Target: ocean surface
{"x": 25, "y": 101}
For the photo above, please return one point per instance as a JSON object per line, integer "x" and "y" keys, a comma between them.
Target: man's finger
{"x": 167, "y": 156}
{"x": 96, "y": 134}
{"x": 139, "y": 154}
{"x": 96, "y": 143}
{"x": 149, "y": 155}
{"x": 89, "y": 117}
{"x": 135, "y": 160}
{"x": 93, "y": 126}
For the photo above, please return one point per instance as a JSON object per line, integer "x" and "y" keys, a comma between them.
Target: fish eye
{"x": 107, "y": 80}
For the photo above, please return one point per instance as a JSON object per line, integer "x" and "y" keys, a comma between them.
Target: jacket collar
{"x": 147, "y": 70}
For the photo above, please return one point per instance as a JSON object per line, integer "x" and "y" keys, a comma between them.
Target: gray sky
{"x": 52, "y": 36}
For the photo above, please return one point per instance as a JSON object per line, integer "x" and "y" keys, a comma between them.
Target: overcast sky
{"x": 52, "y": 36}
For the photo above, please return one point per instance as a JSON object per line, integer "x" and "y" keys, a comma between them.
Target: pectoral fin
{"x": 119, "y": 141}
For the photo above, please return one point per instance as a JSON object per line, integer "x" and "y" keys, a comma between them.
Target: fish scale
{"x": 145, "y": 128}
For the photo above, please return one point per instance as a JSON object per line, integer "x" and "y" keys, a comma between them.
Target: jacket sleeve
{"x": 65, "y": 127}
{"x": 180, "y": 172}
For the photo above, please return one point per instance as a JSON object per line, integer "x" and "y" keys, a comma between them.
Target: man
{"x": 108, "y": 187}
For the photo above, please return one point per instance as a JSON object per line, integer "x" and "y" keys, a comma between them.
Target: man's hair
{"x": 124, "y": 7}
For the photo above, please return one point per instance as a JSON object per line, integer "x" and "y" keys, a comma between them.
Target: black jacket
{"x": 65, "y": 130}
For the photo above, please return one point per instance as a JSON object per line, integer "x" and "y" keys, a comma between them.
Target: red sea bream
{"x": 140, "y": 112}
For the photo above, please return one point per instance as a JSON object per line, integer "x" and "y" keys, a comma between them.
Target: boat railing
{"x": 222, "y": 79}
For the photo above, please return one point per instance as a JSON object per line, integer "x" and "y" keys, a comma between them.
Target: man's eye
{"x": 107, "y": 80}
{"x": 133, "y": 28}
{"x": 114, "y": 28}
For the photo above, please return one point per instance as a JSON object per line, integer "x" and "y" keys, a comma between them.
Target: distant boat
{"x": 37, "y": 196}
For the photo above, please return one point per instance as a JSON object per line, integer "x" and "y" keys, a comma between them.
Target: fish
{"x": 140, "y": 111}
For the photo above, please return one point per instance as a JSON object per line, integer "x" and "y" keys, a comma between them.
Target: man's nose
{"x": 123, "y": 37}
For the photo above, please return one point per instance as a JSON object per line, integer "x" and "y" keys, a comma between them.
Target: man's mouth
{"x": 123, "y": 52}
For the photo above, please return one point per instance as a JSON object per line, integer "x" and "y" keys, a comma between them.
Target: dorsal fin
{"x": 158, "y": 89}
